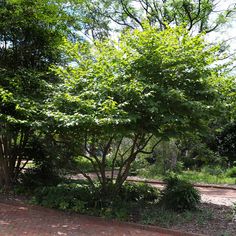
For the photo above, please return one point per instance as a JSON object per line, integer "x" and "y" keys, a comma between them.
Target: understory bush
{"x": 38, "y": 177}
{"x": 179, "y": 195}
{"x": 83, "y": 198}
{"x": 138, "y": 192}
{"x": 231, "y": 172}
{"x": 213, "y": 170}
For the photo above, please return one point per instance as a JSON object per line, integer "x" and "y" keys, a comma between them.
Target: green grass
{"x": 30, "y": 165}
{"x": 193, "y": 176}
{"x": 83, "y": 164}
{"x": 202, "y": 177}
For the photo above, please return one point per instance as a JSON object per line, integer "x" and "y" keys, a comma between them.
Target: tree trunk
{"x": 5, "y": 178}
{"x": 11, "y": 153}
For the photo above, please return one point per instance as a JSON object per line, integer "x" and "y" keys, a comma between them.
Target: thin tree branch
{"x": 127, "y": 11}
{"x": 115, "y": 157}
{"x": 151, "y": 151}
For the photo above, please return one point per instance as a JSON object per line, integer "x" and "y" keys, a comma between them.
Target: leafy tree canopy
{"x": 30, "y": 33}
{"x": 149, "y": 80}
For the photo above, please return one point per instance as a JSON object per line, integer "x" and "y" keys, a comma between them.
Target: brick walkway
{"x": 19, "y": 219}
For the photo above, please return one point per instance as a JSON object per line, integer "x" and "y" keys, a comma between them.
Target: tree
{"x": 227, "y": 143}
{"x": 149, "y": 83}
{"x": 30, "y": 33}
{"x": 104, "y": 16}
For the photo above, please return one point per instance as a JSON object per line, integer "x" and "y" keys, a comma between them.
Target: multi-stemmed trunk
{"x": 12, "y": 153}
{"x": 112, "y": 146}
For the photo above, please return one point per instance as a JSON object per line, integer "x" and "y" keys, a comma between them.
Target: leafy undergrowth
{"x": 208, "y": 219}
{"x": 138, "y": 203}
{"x": 179, "y": 195}
{"x": 78, "y": 196}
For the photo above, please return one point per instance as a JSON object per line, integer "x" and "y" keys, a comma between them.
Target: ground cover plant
{"x": 80, "y": 197}
{"x": 208, "y": 219}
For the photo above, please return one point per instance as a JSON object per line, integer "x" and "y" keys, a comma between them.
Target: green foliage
{"x": 234, "y": 211}
{"x": 180, "y": 195}
{"x": 38, "y": 177}
{"x": 179, "y": 167}
{"x": 63, "y": 197}
{"x": 30, "y": 35}
{"x": 213, "y": 170}
{"x": 83, "y": 164}
{"x": 231, "y": 172}
{"x": 138, "y": 192}
{"x": 206, "y": 177}
{"x": 82, "y": 198}
{"x": 148, "y": 83}
{"x": 218, "y": 176}
{"x": 227, "y": 143}
{"x": 31, "y": 32}
{"x": 197, "y": 151}
{"x": 112, "y": 84}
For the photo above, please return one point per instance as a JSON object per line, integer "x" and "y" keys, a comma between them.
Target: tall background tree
{"x": 30, "y": 35}
{"x": 104, "y": 17}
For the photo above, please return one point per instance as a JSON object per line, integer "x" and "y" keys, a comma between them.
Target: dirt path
{"x": 226, "y": 197}
{"x": 18, "y": 219}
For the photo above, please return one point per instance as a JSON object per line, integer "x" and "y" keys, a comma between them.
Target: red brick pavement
{"x": 19, "y": 219}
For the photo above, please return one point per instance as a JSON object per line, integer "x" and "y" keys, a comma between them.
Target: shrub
{"x": 82, "y": 163}
{"x": 64, "y": 197}
{"x": 168, "y": 218}
{"x": 226, "y": 143}
{"x": 41, "y": 176}
{"x": 138, "y": 192}
{"x": 231, "y": 172}
{"x": 179, "y": 195}
{"x": 213, "y": 170}
{"x": 178, "y": 167}
{"x": 83, "y": 198}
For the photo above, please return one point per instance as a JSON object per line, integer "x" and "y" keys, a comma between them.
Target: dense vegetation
{"x": 129, "y": 88}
